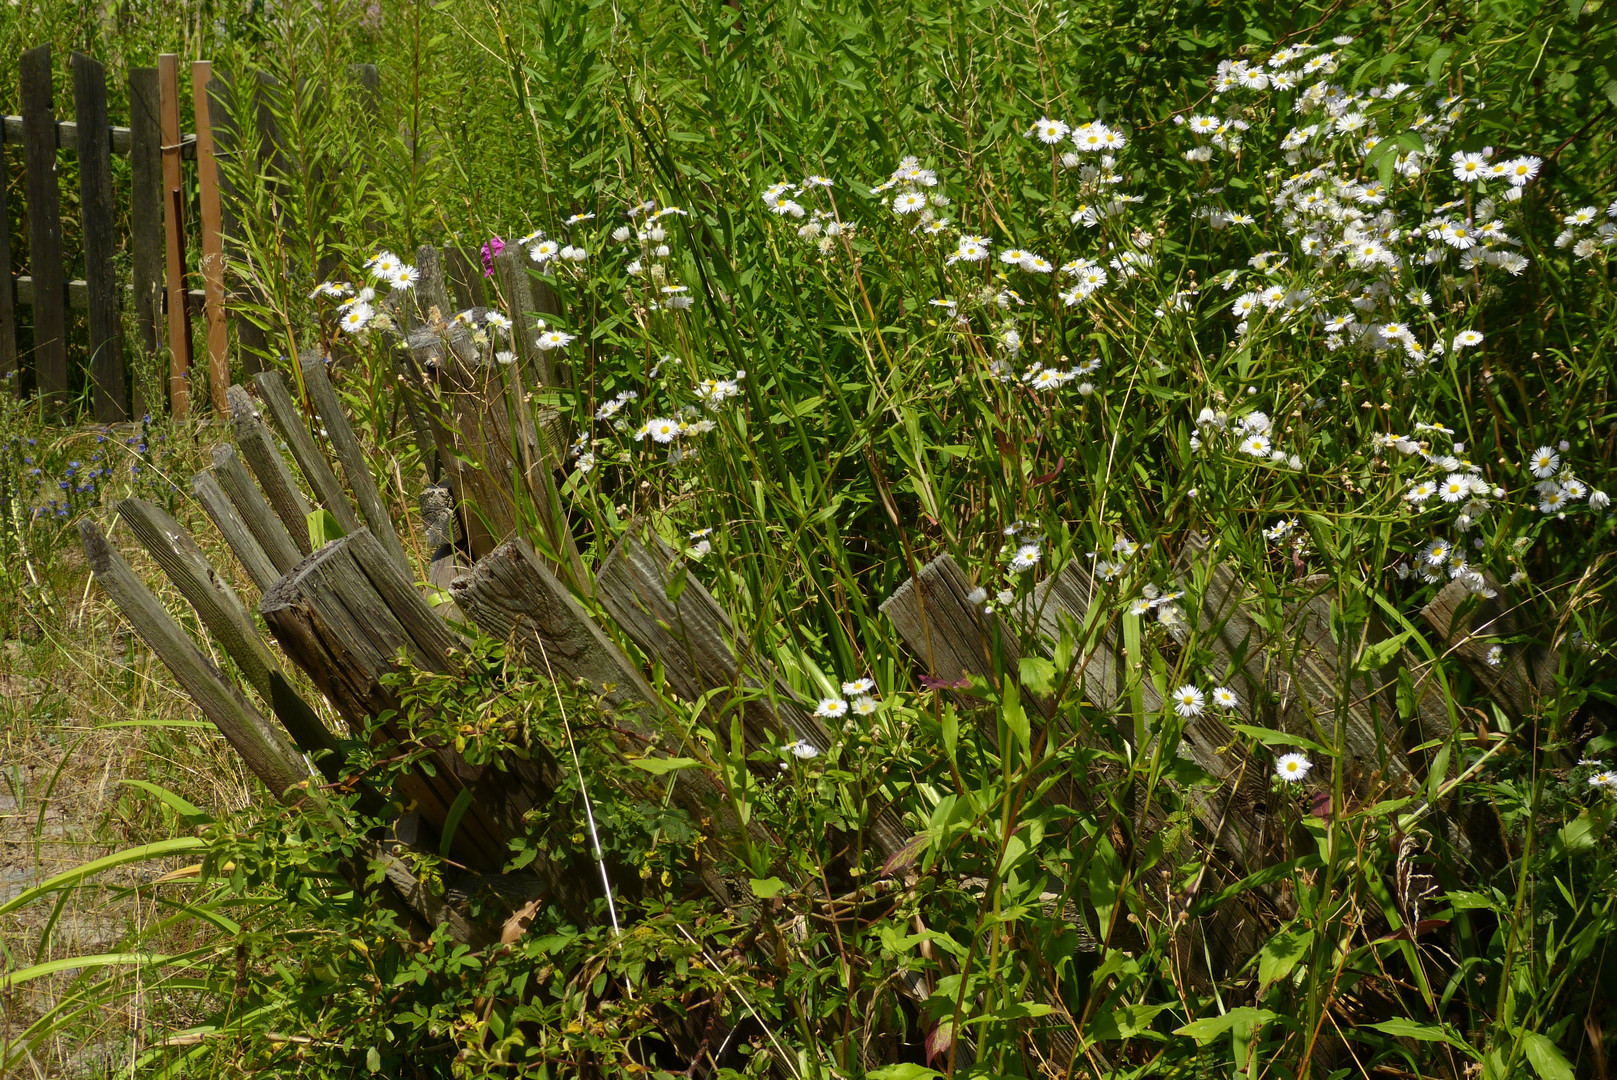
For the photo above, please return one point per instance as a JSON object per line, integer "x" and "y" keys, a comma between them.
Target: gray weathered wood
{"x": 44, "y": 230}
{"x": 8, "y": 305}
{"x": 472, "y": 420}
{"x": 216, "y": 603}
{"x": 228, "y": 622}
{"x": 258, "y": 449}
{"x": 953, "y": 637}
{"x": 67, "y": 137}
{"x": 512, "y": 595}
{"x": 259, "y": 566}
{"x": 265, "y": 750}
{"x": 331, "y": 620}
{"x": 316, "y": 470}
{"x": 146, "y": 211}
{"x": 463, "y": 274}
{"x": 95, "y": 200}
{"x": 529, "y": 302}
{"x": 701, "y": 650}
{"x": 255, "y": 511}
{"x": 431, "y": 289}
{"x": 427, "y": 632}
{"x": 356, "y": 466}
{"x": 1470, "y": 627}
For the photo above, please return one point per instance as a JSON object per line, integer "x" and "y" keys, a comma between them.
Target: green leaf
{"x": 74, "y": 963}
{"x": 1404, "y": 1028}
{"x": 1281, "y": 954}
{"x": 766, "y": 888}
{"x": 159, "y": 850}
{"x": 373, "y": 1060}
{"x": 1205, "y": 1031}
{"x": 1546, "y": 1057}
{"x": 323, "y": 528}
{"x": 1279, "y": 738}
{"x": 1038, "y": 674}
{"x": 194, "y": 815}
{"x": 1016, "y": 719}
{"x": 1434, "y": 66}
{"x": 1379, "y": 655}
{"x": 951, "y": 731}
{"x": 1123, "y": 1023}
{"x": 907, "y": 1070}
{"x": 661, "y": 766}
{"x": 457, "y": 810}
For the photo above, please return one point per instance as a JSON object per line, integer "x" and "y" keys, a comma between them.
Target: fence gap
{"x": 146, "y": 215}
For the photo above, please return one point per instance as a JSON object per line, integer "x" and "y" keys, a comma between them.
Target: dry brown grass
{"x": 84, "y": 706}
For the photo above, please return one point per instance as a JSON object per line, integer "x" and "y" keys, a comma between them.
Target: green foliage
{"x": 1058, "y": 906}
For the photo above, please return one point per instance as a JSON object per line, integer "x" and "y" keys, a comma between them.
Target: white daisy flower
{"x": 831, "y": 708}
{"x": 1292, "y": 767}
{"x": 1225, "y": 698}
{"x": 1188, "y": 701}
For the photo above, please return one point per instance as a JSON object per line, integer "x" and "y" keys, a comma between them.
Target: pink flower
{"x": 491, "y": 249}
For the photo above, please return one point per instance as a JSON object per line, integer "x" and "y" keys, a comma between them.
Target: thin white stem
{"x": 589, "y": 812}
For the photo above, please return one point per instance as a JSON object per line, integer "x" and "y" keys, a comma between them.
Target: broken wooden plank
{"x": 1471, "y": 624}
{"x": 512, "y": 596}
{"x": 316, "y": 470}
{"x": 240, "y": 539}
{"x": 258, "y": 448}
{"x": 356, "y": 466}
{"x": 216, "y": 603}
{"x": 255, "y": 510}
{"x": 701, "y": 650}
{"x": 273, "y": 759}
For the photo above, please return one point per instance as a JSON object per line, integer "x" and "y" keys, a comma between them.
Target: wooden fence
{"x": 341, "y": 613}
{"x": 158, "y": 152}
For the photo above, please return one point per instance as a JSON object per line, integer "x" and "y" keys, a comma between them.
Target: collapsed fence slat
{"x": 342, "y": 626}
{"x": 255, "y": 510}
{"x": 701, "y": 650}
{"x": 95, "y": 200}
{"x": 248, "y": 551}
{"x": 258, "y": 449}
{"x": 216, "y": 603}
{"x": 316, "y": 470}
{"x": 267, "y": 753}
{"x": 356, "y": 466}
{"x": 44, "y": 230}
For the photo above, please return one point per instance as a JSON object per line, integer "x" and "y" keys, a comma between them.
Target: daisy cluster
{"x": 823, "y": 226}
{"x": 857, "y": 702}
{"x": 358, "y": 309}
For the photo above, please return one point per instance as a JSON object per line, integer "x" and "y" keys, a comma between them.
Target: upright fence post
{"x": 145, "y": 213}
{"x": 95, "y": 200}
{"x": 179, "y": 321}
{"x": 8, "y": 298}
{"x": 44, "y": 230}
{"x": 213, "y": 248}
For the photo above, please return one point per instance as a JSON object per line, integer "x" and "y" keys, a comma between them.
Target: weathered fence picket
{"x": 46, "y": 289}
